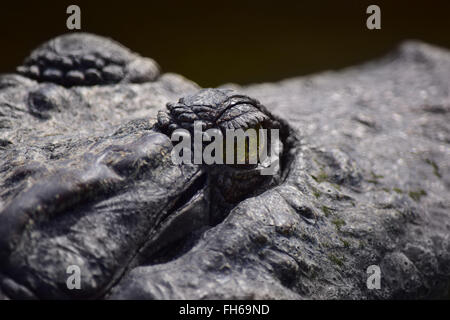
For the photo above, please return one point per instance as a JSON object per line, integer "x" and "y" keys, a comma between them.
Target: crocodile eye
{"x": 242, "y": 127}
{"x": 241, "y": 148}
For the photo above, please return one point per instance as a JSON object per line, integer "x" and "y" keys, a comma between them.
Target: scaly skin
{"x": 80, "y": 59}
{"x": 120, "y": 202}
{"x": 82, "y": 187}
{"x": 86, "y": 179}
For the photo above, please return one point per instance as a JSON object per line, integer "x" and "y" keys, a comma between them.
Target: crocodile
{"x": 87, "y": 179}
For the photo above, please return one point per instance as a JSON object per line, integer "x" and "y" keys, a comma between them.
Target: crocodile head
{"x": 115, "y": 200}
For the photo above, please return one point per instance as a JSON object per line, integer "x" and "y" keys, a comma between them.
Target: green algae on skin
{"x": 416, "y": 195}
{"x": 336, "y": 260}
{"x": 316, "y": 192}
{"x": 338, "y": 223}
{"x": 321, "y": 177}
{"x": 398, "y": 190}
{"x": 327, "y": 211}
{"x": 375, "y": 178}
{"x": 435, "y": 167}
{"x": 345, "y": 243}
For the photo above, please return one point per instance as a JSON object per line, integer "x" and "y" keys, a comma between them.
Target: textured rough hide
{"x": 367, "y": 185}
{"x": 84, "y": 180}
{"x": 78, "y": 59}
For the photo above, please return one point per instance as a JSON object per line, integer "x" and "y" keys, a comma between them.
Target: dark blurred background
{"x": 225, "y": 41}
